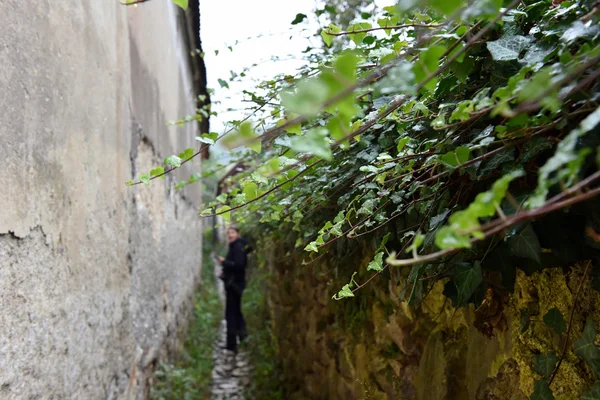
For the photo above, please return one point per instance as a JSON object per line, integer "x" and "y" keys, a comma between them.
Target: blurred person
{"x": 233, "y": 276}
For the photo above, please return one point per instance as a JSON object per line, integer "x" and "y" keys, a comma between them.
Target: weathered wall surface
{"x": 375, "y": 346}
{"x": 96, "y": 278}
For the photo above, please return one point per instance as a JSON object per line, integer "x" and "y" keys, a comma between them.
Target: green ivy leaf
{"x": 222, "y": 198}
{"x": 446, "y": 7}
{"x": 455, "y": 235}
{"x": 226, "y": 214}
{"x": 186, "y": 154}
{"x": 206, "y": 211}
{"x": 400, "y": 79}
{"x": 156, "y": 171}
{"x": 357, "y": 38}
{"x": 238, "y": 200}
{"x": 250, "y": 190}
{"x": 337, "y": 229}
{"x": 367, "y": 207}
{"x": 377, "y": 263}
{"x": 223, "y": 83}
{"x": 312, "y": 246}
{"x": 307, "y": 99}
{"x": 463, "y": 111}
{"x": 172, "y": 161}
{"x": 586, "y": 348}
{"x": 144, "y": 178}
{"x": 541, "y": 391}
{"x": 508, "y": 47}
{"x": 258, "y": 178}
{"x": 467, "y": 278}
{"x": 299, "y": 18}
{"x": 565, "y": 164}
{"x": 593, "y": 393}
{"x": 244, "y": 136}
{"x": 295, "y": 129}
{"x": 320, "y": 241}
{"x": 428, "y": 63}
{"x": 385, "y": 22}
{"x": 526, "y": 244}
{"x": 536, "y": 88}
{"x": 544, "y": 364}
{"x": 327, "y": 38}
{"x": 416, "y": 243}
{"x": 533, "y": 147}
{"x": 328, "y": 225}
{"x": 179, "y": 185}
{"x": 195, "y": 177}
{"x": 448, "y": 238}
{"x": 208, "y": 138}
{"x": 524, "y": 322}
{"x": 496, "y": 161}
{"x": 315, "y": 142}
{"x": 454, "y": 158}
{"x": 580, "y": 30}
{"x": 345, "y": 292}
{"x": 181, "y": 3}
{"x": 554, "y": 319}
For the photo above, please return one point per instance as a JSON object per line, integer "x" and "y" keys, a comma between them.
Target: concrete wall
{"x": 96, "y": 278}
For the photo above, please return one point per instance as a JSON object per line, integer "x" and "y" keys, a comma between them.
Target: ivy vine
{"x": 456, "y": 135}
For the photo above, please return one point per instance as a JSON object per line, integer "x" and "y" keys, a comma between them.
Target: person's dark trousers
{"x": 236, "y": 326}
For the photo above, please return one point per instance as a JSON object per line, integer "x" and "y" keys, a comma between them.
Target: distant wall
{"x": 96, "y": 278}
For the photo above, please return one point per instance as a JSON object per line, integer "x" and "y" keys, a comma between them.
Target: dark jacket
{"x": 234, "y": 265}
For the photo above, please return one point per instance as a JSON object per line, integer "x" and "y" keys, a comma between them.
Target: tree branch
{"x": 500, "y": 224}
{"x": 328, "y": 32}
{"x": 565, "y": 344}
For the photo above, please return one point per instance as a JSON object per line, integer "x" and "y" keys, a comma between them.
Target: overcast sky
{"x": 268, "y": 25}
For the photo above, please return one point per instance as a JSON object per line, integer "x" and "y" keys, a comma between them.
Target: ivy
{"x": 545, "y": 364}
{"x": 181, "y": 3}
{"x": 526, "y": 244}
{"x": 346, "y": 291}
{"x": 465, "y": 223}
{"x": 541, "y": 391}
{"x": 173, "y": 161}
{"x": 586, "y": 348}
{"x": 508, "y": 47}
{"x": 593, "y": 393}
{"x": 377, "y": 263}
{"x": 467, "y": 279}
{"x": 566, "y": 162}
{"x": 554, "y": 319}
{"x": 448, "y": 125}
{"x": 314, "y": 141}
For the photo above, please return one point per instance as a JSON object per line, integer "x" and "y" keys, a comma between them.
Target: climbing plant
{"x": 456, "y": 135}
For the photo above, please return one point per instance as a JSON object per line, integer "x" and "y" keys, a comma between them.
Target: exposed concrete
{"x": 96, "y": 278}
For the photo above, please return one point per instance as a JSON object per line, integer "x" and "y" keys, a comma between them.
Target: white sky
{"x": 225, "y": 21}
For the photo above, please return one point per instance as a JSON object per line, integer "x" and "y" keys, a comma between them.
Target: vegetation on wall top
{"x": 476, "y": 123}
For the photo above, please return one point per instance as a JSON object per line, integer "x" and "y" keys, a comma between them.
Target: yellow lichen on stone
{"x": 547, "y": 289}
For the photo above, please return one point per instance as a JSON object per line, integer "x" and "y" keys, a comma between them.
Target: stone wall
{"x": 96, "y": 278}
{"x": 376, "y": 346}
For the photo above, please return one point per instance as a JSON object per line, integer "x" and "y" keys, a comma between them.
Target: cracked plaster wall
{"x": 96, "y": 278}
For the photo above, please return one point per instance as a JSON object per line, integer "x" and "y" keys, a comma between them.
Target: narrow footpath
{"x": 230, "y": 375}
